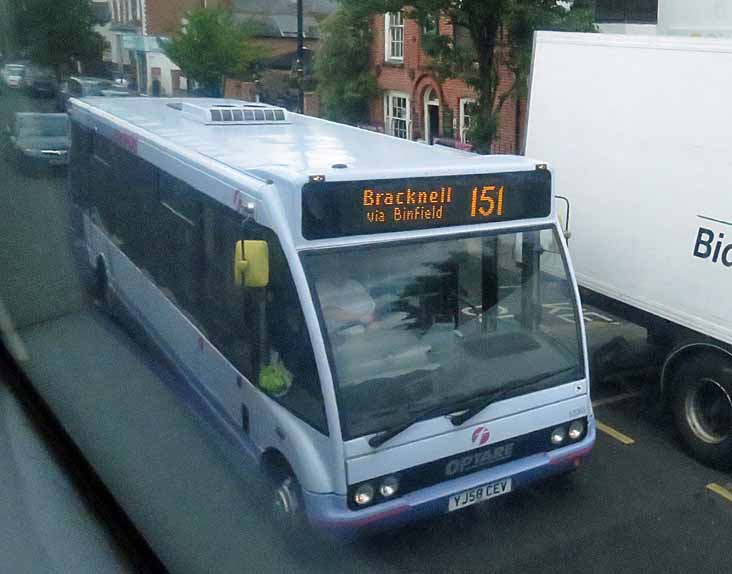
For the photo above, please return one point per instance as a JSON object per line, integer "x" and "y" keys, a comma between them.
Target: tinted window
{"x": 185, "y": 242}
{"x": 626, "y": 10}
{"x": 43, "y": 125}
{"x": 121, "y": 192}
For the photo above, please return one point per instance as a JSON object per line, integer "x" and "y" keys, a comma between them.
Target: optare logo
{"x": 481, "y": 436}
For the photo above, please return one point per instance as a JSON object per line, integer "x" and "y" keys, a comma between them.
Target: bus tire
{"x": 286, "y": 501}
{"x": 287, "y": 504}
{"x": 702, "y": 408}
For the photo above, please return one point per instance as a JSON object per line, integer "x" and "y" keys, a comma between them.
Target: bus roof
{"x": 301, "y": 145}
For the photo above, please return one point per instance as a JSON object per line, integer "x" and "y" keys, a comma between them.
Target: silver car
{"x": 13, "y": 74}
{"x": 39, "y": 141}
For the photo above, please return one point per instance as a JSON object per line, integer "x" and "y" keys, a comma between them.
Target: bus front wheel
{"x": 702, "y": 406}
{"x": 287, "y": 501}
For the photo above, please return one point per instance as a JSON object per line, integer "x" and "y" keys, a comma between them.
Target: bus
{"x": 386, "y": 330}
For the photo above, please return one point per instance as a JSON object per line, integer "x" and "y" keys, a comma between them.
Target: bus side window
{"x": 256, "y": 327}
{"x": 79, "y": 168}
{"x": 179, "y": 243}
{"x": 120, "y": 193}
{"x": 289, "y": 339}
{"x": 225, "y": 307}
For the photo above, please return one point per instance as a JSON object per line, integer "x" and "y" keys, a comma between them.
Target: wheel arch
{"x": 275, "y": 464}
{"x": 683, "y": 353}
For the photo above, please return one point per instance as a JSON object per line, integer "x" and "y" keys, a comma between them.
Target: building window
{"x": 396, "y": 115}
{"x": 466, "y": 111}
{"x": 626, "y": 11}
{"x": 431, "y": 23}
{"x": 394, "y": 35}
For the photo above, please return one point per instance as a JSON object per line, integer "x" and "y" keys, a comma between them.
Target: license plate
{"x": 479, "y": 494}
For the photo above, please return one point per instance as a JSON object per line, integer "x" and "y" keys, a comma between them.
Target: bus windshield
{"x": 414, "y": 325}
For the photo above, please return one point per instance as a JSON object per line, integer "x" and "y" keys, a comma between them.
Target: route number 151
{"x": 486, "y": 202}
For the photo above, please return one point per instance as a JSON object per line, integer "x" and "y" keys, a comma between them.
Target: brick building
{"x": 275, "y": 25}
{"x": 134, "y": 32}
{"x": 136, "y": 27}
{"x": 414, "y": 105}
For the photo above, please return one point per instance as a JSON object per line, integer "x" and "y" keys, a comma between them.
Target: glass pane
{"x": 43, "y": 125}
{"x": 411, "y": 326}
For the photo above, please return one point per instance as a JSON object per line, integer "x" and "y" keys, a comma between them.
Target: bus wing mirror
{"x": 563, "y": 215}
{"x": 251, "y": 264}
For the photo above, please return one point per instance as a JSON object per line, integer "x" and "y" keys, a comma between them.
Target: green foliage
{"x": 211, "y": 46}
{"x": 488, "y": 34}
{"x": 344, "y": 81}
{"x": 528, "y": 16}
{"x": 57, "y": 33}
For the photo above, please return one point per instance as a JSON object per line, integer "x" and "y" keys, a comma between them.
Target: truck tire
{"x": 702, "y": 407}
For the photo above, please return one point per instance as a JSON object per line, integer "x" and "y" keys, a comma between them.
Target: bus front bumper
{"x": 330, "y": 514}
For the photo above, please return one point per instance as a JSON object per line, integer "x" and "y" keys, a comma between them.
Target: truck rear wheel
{"x": 702, "y": 405}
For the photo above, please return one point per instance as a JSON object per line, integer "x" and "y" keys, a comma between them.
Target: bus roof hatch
{"x": 234, "y": 114}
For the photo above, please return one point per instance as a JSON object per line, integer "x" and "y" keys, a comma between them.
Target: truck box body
{"x": 639, "y": 130}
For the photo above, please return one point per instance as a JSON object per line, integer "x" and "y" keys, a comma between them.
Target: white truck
{"x": 639, "y": 131}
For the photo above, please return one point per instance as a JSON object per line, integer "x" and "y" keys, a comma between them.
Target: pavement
{"x": 640, "y": 504}
{"x": 46, "y": 525}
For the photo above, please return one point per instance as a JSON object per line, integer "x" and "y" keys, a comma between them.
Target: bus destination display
{"x": 337, "y": 209}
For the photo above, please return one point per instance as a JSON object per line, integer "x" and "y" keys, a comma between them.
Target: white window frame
{"x": 463, "y": 128}
{"x": 390, "y": 121}
{"x": 394, "y": 37}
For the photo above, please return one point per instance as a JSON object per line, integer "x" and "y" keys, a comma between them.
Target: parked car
{"x": 12, "y": 75}
{"x": 39, "y": 141}
{"x": 83, "y": 86}
{"x": 40, "y": 82}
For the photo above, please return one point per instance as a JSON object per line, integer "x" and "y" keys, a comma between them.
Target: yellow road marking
{"x": 617, "y": 435}
{"x": 720, "y": 490}
{"x": 615, "y": 399}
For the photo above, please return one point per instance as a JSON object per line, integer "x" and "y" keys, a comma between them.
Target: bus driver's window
{"x": 288, "y": 361}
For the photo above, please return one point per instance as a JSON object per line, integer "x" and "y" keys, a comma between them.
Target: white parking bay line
{"x": 615, "y": 399}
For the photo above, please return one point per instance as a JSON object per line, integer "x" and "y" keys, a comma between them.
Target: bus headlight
{"x": 576, "y": 429}
{"x": 558, "y": 435}
{"x": 389, "y": 486}
{"x": 364, "y": 494}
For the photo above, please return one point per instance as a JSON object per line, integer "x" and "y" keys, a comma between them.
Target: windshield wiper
{"x": 482, "y": 400}
{"x": 388, "y": 434}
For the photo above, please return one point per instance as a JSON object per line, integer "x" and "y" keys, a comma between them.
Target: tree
{"x": 57, "y": 33}
{"x": 488, "y": 34}
{"x": 210, "y": 46}
{"x": 344, "y": 82}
